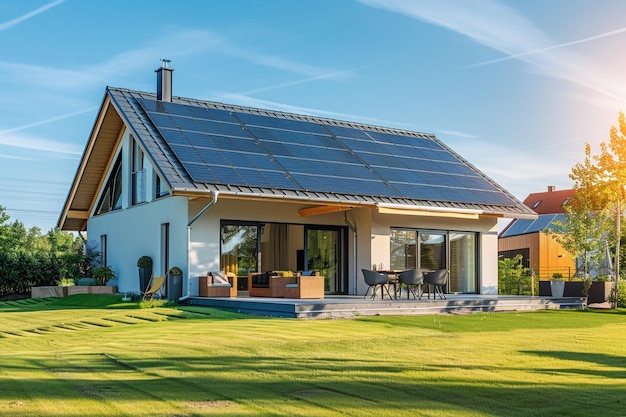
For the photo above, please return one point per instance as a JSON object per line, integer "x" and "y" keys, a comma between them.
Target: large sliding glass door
{"x": 248, "y": 247}
{"x": 239, "y": 250}
{"x": 463, "y": 262}
{"x": 326, "y": 253}
{"x": 437, "y": 249}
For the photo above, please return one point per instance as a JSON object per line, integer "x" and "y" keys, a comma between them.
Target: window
{"x": 239, "y": 248}
{"x": 103, "y": 249}
{"x": 536, "y": 204}
{"x": 160, "y": 189}
{"x": 139, "y": 174}
{"x": 112, "y": 196}
{"x": 438, "y": 249}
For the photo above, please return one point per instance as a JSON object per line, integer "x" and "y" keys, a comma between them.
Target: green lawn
{"x": 97, "y": 356}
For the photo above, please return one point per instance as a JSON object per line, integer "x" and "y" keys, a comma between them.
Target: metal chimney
{"x": 164, "y": 81}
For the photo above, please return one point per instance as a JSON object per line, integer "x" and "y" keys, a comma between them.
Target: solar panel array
{"x": 523, "y": 226}
{"x": 243, "y": 148}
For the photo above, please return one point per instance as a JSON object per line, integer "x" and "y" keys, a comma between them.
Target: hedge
{"x": 19, "y": 272}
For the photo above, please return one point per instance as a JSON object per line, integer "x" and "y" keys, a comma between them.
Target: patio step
{"x": 354, "y": 306}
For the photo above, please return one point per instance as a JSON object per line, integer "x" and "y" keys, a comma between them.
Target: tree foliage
{"x": 588, "y": 219}
{"x": 601, "y": 180}
{"x": 29, "y": 258}
{"x": 513, "y": 277}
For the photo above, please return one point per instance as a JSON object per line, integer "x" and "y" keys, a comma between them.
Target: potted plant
{"x": 103, "y": 274}
{"x": 175, "y": 284}
{"x": 144, "y": 264}
{"x": 557, "y": 285}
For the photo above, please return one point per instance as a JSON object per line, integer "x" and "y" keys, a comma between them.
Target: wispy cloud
{"x": 54, "y": 148}
{"x": 47, "y": 121}
{"x": 549, "y": 48}
{"x": 457, "y": 134}
{"x": 332, "y": 75}
{"x": 177, "y": 44}
{"x": 19, "y": 158}
{"x": 504, "y": 29}
{"x": 24, "y": 17}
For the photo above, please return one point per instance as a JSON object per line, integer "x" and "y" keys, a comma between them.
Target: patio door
{"x": 326, "y": 253}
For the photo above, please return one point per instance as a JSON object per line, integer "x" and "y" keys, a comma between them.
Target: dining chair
{"x": 438, "y": 279}
{"x": 412, "y": 278}
{"x": 374, "y": 279}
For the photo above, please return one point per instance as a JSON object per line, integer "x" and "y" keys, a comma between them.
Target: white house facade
{"x": 208, "y": 186}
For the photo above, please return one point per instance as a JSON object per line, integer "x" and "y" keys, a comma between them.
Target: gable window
{"x": 139, "y": 174}
{"x": 112, "y": 196}
{"x": 160, "y": 189}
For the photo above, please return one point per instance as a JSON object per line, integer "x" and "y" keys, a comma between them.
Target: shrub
{"x": 103, "y": 274}
{"x": 176, "y": 271}
{"x": 66, "y": 282}
{"x": 85, "y": 281}
{"x": 144, "y": 262}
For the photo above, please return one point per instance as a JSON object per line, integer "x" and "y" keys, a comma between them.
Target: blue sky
{"x": 515, "y": 87}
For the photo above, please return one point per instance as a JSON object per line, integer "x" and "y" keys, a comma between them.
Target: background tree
{"x": 28, "y": 258}
{"x": 588, "y": 220}
{"x": 602, "y": 179}
{"x": 612, "y": 164}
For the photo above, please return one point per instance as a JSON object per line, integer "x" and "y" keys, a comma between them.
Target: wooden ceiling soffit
{"x": 425, "y": 212}
{"x": 104, "y": 137}
{"x": 314, "y": 211}
{"x": 78, "y": 214}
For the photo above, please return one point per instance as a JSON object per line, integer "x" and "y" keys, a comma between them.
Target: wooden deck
{"x": 354, "y": 306}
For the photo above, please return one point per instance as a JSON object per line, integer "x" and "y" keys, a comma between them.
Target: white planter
{"x": 557, "y": 287}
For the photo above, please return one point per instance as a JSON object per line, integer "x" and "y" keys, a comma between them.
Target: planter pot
{"x": 599, "y": 292}
{"x": 49, "y": 291}
{"x": 174, "y": 287}
{"x": 78, "y": 289}
{"x": 60, "y": 292}
{"x": 102, "y": 289}
{"x": 144, "y": 278}
{"x": 557, "y": 288}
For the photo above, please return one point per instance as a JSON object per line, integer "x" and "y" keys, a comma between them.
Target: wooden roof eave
{"x": 94, "y": 163}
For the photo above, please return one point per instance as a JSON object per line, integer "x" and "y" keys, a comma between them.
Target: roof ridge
{"x": 283, "y": 114}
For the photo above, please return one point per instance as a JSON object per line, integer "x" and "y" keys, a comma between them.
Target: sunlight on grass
{"x": 92, "y": 356}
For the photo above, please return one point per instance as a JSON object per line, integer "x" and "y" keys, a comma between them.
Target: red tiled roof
{"x": 549, "y": 202}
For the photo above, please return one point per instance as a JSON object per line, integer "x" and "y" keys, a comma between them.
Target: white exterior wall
{"x": 136, "y": 231}
{"x": 489, "y": 262}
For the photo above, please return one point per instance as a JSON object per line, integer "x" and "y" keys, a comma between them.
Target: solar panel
{"x": 238, "y": 147}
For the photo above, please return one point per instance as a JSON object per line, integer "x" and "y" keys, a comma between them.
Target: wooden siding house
{"x": 540, "y": 250}
{"x": 209, "y": 186}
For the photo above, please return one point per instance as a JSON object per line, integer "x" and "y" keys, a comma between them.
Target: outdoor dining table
{"x": 392, "y": 279}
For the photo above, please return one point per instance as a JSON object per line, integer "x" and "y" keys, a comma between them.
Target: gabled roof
{"x": 548, "y": 202}
{"x": 200, "y": 147}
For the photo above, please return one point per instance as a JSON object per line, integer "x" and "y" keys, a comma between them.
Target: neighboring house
{"x": 540, "y": 250}
{"x": 210, "y": 186}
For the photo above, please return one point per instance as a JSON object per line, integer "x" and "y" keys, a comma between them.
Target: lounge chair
{"x": 154, "y": 286}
